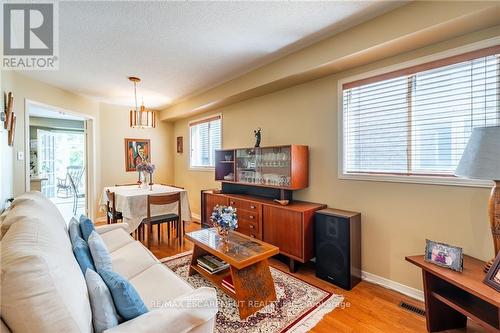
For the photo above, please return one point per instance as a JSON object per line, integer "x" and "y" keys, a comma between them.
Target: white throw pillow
{"x": 100, "y": 254}
{"x": 104, "y": 315}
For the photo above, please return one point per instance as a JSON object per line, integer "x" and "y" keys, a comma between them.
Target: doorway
{"x": 57, "y": 161}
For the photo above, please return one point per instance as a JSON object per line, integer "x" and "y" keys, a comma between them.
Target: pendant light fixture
{"x": 140, "y": 117}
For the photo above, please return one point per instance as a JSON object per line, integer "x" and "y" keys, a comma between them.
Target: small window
{"x": 417, "y": 121}
{"x": 205, "y": 138}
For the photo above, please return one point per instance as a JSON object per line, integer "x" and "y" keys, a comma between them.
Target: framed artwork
{"x": 180, "y": 147}
{"x": 136, "y": 152}
{"x": 492, "y": 278}
{"x": 444, "y": 255}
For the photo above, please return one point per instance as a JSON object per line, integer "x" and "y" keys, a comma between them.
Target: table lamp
{"x": 481, "y": 160}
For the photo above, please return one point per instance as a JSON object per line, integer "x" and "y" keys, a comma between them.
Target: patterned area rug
{"x": 299, "y": 307}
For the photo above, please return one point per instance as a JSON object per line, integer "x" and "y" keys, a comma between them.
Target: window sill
{"x": 210, "y": 169}
{"x": 429, "y": 180}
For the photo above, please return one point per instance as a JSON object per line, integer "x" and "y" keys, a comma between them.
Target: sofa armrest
{"x": 108, "y": 227}
{"x": 180, "y": 315}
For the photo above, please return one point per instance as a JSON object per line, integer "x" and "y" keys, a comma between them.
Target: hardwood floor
{"x": 367, "y": 307}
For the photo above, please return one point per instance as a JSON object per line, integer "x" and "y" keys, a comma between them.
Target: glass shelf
{"x": 264, "y": 166}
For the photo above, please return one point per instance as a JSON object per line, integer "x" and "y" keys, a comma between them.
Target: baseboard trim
{"x": 393, "y": 285}
{"x": 196, "y": 217}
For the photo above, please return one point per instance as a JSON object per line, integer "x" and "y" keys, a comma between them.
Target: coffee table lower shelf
{"x": 215, "y": 278}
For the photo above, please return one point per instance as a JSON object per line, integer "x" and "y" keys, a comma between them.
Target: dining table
{"x": 132, "y": 202}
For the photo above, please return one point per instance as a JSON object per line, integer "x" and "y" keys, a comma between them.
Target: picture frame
{"x": 492, "y": 278}
{"x": 180, "y": 146}
{"x": 444, "y": 255}
{"x": 136, "y": 152}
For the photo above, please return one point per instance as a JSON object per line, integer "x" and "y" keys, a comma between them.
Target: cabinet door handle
{"x": 251, "y": 226}
{"x": 231, "y": 202}
{"x": 252, "y": 235}
{"x": 252, "y": 206}
{"x": 251, "y": 217}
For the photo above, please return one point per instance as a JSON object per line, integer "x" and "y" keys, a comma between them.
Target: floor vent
{"x": 412, "y": 308}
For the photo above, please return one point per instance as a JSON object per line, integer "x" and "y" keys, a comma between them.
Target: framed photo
{"x": 444, "y": 255}
{"x": 180, "y": 147}
{"x": 492, "y": 278}
{"x": 136, "y": 152}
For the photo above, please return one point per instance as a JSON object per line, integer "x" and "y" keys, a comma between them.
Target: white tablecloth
{"x": 132, "y": 202}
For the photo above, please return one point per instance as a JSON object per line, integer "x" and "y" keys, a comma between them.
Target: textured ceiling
{"x": 180, "y": 48}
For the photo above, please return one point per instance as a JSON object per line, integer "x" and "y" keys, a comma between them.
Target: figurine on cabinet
{"x": 257, "y": 137}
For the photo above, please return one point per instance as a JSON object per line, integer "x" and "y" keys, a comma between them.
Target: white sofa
{"x": 44, "y": 290}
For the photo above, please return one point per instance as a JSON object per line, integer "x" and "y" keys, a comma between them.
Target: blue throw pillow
{"x": 86, "y": 226}
{"x": 74, "y": 230}
{"x": 99, "y": 252}
{"x": 82, "y": 254}
{"x": 104, "y": 314}
{"x": 127, "y": 301}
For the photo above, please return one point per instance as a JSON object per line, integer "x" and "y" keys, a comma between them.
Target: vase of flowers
{"x": 224, "y": 218}
{"x": 146, "y": 168}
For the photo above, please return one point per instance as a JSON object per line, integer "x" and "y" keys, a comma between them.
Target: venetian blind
{"x": 205, "y": 138}
{"x": 418, "y": 121}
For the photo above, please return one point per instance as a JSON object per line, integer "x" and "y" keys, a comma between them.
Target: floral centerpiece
{"x": 146, "y": 167}
{"x": 224, "y": 219}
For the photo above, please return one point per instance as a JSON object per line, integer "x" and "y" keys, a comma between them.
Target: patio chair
{"x": 76, "y": 194}
{"x": 64, "y": 185}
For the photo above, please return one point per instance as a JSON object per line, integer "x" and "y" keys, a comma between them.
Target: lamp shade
{"x": 481, "y": 157}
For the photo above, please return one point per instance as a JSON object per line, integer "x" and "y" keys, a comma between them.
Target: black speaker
{"x": 338, "y": 247}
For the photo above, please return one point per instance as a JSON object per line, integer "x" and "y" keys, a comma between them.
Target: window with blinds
{"x": 417, "y": 121}
{"x": 205, "y": 138}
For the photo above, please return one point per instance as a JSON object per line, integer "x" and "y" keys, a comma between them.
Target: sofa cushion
{"x": 170, "y": 287}
{"x": 116, "y": 239}
{"x": 132, "y": 259}
{"x": 104, "y": 314}
{"x": 74, "y": 230}
{"x": 43, "y": 289}
{"x": 100, "y": 253}
{"x": 82, "y": 254}
{"x": 31, "y": 204}
{"x": 86, "y": 226}
{"x": 126, "y": 299}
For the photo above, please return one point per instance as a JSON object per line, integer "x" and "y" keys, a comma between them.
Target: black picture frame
{"x": 492, "y": 278}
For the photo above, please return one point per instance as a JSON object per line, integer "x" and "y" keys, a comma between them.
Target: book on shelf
{"x": 212, "y": 264}
{"x": 228, "y": 283}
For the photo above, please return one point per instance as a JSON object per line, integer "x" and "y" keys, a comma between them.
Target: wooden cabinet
{"x": 288, "y": 227}
{"x": 281, "y": 167}
{"x": 208, "y": 202}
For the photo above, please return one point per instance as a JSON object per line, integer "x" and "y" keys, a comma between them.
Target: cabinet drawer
{"x": 249, "y": 229}
{"x": 245, "y": 215}
{"x": 244, "y": 204}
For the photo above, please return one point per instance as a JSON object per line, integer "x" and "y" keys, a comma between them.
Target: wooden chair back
{"x": 164, "y": 199}
{"x": 173, "y": 186}
{"x": 110, "y": 204}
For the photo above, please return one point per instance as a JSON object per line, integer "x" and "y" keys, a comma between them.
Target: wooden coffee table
{"x": 249, "y": 269}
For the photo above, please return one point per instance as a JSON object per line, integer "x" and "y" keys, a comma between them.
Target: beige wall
{"x": 25, "y": 88}
{"x": 114, "y": 129}
{"x": 397, "y": 217}
{"x": 111, "y": 126}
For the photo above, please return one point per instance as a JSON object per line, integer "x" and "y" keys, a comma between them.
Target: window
{"x": 417, "y": 121}
{"x": 205, "y": 138}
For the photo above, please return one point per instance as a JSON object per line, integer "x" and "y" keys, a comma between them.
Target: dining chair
{"x": 173, "y": 186}
{"x": 170, "y": 219}
{"x": 112, "y": 215}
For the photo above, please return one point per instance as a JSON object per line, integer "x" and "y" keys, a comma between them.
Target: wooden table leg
{"x": 254, "y": 287}
{"x": 197, "y": 252}
{"x": 439, "y": 316}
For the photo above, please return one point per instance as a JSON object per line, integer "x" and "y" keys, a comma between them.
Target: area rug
{"x": 299, "y": 306}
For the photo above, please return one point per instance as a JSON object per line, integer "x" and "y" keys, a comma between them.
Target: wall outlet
{"x": 20, "y": 155}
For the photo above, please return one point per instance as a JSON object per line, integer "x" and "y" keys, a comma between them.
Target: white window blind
{"x": 418, "y": 121}
{"x": 205, "y": 138}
